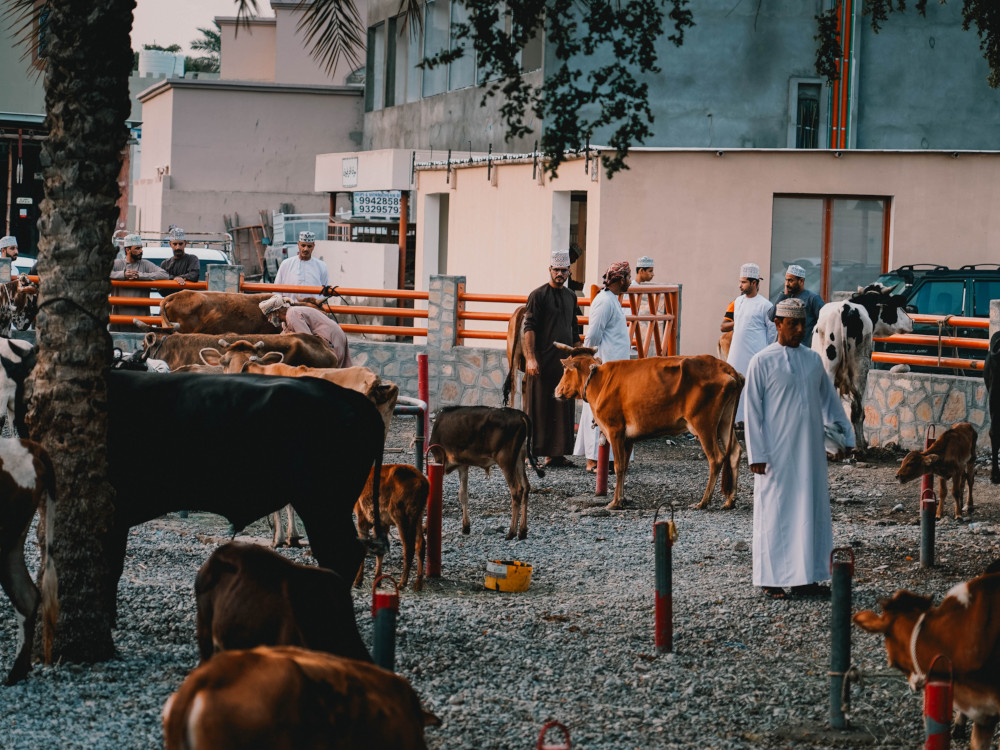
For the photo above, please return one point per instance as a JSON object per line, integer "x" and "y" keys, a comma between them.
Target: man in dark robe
{"x": 550, "y": 317}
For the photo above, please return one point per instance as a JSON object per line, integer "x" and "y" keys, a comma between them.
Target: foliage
{"x": 210, "y": 42}
{"x": 155, "y": 46}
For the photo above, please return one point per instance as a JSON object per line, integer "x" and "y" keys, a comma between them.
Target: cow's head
{"x": 576, "y": 370}
{"x": 234, "y": 357}
{"x": 886, "y": 310}
{"x": 896, "y": 623}
{"x": 151, "y": 344}
{"x": 916, "y": 464}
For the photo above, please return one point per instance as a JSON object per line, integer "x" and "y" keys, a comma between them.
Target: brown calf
{"x": 484, "y": 436}
{"x": 26, "y": 479}
{"x": 644, "y": 398}
{"x": 965, "y": 628}
{"x": 249, "y": 596}
{"x": 402, "y": 501}
{"x": 193, "y": 311}
{"x": 292, "y": 698}
{"x": 952, "y": 456}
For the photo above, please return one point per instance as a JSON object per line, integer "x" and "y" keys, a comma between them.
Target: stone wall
{"x": 900, "y": 406}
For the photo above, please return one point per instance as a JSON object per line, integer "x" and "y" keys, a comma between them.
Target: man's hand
{"x": 758, "y": 469}
{"x": 131, "y": 275}
{"x": 531, "y": 366}
{"x": 329, "y": 291}
{"x": 727, "y": 325}
{"x": 179, "y": 280}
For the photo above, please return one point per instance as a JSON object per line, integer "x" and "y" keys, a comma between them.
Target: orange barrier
{"x": 343, "y": 291}
{"x": 949, "y": 341}
{"x": 927, "y": 361}
{"x": 159, "y": 284}
{"x": 951, "y": 320}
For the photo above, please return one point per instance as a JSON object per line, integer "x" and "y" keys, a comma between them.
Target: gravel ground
{"x": 578, "y": 645}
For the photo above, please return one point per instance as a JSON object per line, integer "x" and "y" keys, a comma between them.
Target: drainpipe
{"x": 841, "y": 93}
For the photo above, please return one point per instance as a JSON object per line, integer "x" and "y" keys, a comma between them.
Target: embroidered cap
{"x": 644, "y": 262}
{"x": 795, "y": 270}
{"x": 560, "y": 259}
{"x": 176, "y": 234}
{"x": 750, "y": 271}
{"x": 790, "y": 308}
{"x": 132, "y": 240}
{"x": 307, "y": 236}
{"x": 8, "y": 241}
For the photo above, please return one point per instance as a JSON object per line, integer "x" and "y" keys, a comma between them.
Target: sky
{"x": 167, "y": 22}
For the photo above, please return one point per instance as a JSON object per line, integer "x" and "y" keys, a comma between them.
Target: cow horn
{"x": 223, "y": 342}
{"x": 142, "y": 326}
{"x": 259, "y": 346}
{"x": 562, "y": 347}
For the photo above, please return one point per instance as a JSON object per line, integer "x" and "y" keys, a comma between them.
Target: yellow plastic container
{"x": 508, "y": 575}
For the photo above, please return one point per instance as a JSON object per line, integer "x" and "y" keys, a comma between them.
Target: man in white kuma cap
{"x": 303, "y": 269}
{"x": 8, "y": 247}
{"x": 752, "y": 328}
{"x": 795, "y": 288}
{"x": 789, "y": 402}
{"x": 550, "y": 317}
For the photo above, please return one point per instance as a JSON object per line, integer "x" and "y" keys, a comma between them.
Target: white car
{"x": 207, "y": 256}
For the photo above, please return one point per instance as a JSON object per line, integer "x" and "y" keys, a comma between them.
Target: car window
{"x": 983, "y": 291}
{"x": 940, "y": 297}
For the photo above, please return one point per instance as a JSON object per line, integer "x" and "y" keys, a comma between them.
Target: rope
{"x": 917, "y": 674}
{"x": 941, "y": 324}
{"x": 853, "y": 674}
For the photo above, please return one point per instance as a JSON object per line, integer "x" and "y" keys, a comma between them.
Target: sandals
{"x": 775, "y": 592}
{"x": 812, "y": 589}
{"x": 593, "y": 470}
{"x": 557, "y": 462}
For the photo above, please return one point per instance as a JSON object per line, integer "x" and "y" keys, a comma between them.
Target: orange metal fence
{"x": 941, "y": 341}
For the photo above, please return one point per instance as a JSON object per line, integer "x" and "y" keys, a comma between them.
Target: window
{"x": 807, "y": 116}
{"x": 983, "y": 291}
{"x": 461, "y": 72}
{"x": 944, "y": 297}
{"x": 841, "y": 242}
{"x": 375, "y": 80}
{"x": 437, "y": 33}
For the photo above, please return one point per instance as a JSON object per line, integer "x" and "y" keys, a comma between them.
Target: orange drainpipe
{"x": 840, "y": 95}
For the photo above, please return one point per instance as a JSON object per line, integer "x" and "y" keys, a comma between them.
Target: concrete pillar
{"x": 222, "y": 278}
{"x": 5, "y": 270}
{"x": 994, "y": 314}
{"x": 442, "y": 312}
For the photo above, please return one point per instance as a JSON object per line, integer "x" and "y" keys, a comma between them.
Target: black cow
{"x": 991, "y": 374}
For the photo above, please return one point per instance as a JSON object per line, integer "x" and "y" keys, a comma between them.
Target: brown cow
{"x": 952, "y": 456}
{"x": 190, "y": 311}
{"x": 249, "y": 596}
{"x": 644, "y": 398}
{"x": 178, "y": 349}
{"x": 965, "y": 628}
{"x": 402, "y": 501}
{"x": 291, "y": 348}
{"x": 722, "y": 348}
{"x": 483, "y": 436}
{"x": 26, "y": 480}
{"x": 515, "y": 353}
{"x": 292, "y": 698}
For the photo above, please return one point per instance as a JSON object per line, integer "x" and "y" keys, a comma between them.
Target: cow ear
{"x": 930, "y": 458}
{"x": 148, "y": 340}
{"x": 271, "y": 358}
{"x": 595, "y": 365}
{"x": 873, "y": 623}
{"x": 210, "y": 356}
{"x": 598, "y": 361}
{"x": 566, "y": 362}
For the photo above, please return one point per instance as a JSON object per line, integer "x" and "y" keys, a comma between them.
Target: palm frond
{"x": 23, "y": 17}
{"x": 334, "y": 29}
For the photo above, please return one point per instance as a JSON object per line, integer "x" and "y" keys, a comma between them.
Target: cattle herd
{"x": 281, "y": 638}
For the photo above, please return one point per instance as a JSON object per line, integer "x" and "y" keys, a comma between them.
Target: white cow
{"x": 843, "y": 338}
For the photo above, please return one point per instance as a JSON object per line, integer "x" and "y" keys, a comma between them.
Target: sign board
{"x": 22, "y": 201}
{"x": 376, "y": 204}
{"x": 349, "y": 175}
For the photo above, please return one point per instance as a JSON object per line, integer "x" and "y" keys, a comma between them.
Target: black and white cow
{"x": 17, "y": 359}
{"x": 843, "y": 338}
{"x": 991, "y": 374}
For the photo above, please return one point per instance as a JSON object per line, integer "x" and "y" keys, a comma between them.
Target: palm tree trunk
{"x": 86, "y": 98}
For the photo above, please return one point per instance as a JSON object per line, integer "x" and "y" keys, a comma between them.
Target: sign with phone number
{"x": 376, "y": 204}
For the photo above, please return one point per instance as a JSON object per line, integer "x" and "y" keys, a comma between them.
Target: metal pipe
{"x": 663, "y": 633}
{"x": 423, "y": 390}
{"x": 414, "y": 407}
{"x": 435, "y": 473}
{"x": 385, "y": 609}
{"x": 840, "y": 636}
{"x": 603, "y": 453}
{"x": 928, "y": 509}
{"x": 938, "y": 708}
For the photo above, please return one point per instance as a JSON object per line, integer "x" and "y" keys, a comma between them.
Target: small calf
{"x": 952, "y": 456}
{"x": 484, "y": 436}
{"x": 402, "y": 501}
{"x": 26, "y": 480}
{"x": 293, "y": 698}
{"x": 249, "y": 596}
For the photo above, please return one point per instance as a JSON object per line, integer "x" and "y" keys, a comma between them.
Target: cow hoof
{"x": 522, "y": 534}
{"x": 510, "y": 535}
{"x": 699, "y": 506}
{"x": 466, "y": 530}
{"x": 614, "y": 506}
{"x": 418, "y": 585}
{"x": 294, "y": 542}
{"x": 994, "y": 478}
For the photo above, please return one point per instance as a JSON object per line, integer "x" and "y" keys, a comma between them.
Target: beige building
{"x": 700, "y": 214}
{"x": 248, "y": 141}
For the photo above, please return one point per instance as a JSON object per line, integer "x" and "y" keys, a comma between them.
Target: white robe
{"x": 297, "y": 272}
{"x": 752, "y": 331}
{"x": 608, "y": 333}
{"x": 789, "y": 399}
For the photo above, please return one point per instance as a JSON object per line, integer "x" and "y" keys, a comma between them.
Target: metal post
{"x": 419, "y": 440}
{"x": 435, "y": 473}
{"x": 840, "y": 636}
{"x": 603, "y": 458}
{"x": 664, "y": 533}
{"x": 937, "y": 708}
{"x": 385, "y": 608}
{"x": 928, "y": 510}
{"x": 423, "y": 390}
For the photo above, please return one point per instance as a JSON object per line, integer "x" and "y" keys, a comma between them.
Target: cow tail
{"x": 163, "y": 316}
{"x": 50, "y": 579}
{"x": 507, "y": 384}
{"x": 531, "y": 456}
{"x": 728, "y": 480}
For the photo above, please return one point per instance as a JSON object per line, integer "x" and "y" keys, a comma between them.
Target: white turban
{"x": 750, "y": 271}
{"x": 132, "y": 240}
{"x": 273, "y": 304}
{"x": 560, "y": 259}
{"x": 790, "y": 308}
{"x": 8, "y": 241}
{"x": 306, "y": 236}
{"x": 795, "y": 270}
{"x": 644, "y": 262}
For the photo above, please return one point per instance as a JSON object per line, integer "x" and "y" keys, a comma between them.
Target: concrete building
{"x": 248, "y": 141}
{"x": 744, "y": 78}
